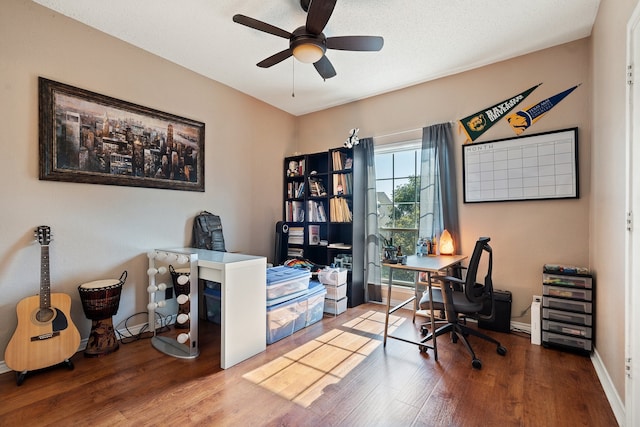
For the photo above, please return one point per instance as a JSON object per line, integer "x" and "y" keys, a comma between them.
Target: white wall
{"x": 607, "y": 225}
{"x": 99, "y": 230}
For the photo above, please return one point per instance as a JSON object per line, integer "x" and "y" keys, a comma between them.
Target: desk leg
{"x": 432, "y": 317}
{"x": 386, "y": 318}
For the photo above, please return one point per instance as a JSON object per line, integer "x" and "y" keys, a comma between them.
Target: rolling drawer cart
{"x": 568, "y": 310}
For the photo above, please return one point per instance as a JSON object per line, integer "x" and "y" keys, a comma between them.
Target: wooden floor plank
{"x": 333, "y": 373}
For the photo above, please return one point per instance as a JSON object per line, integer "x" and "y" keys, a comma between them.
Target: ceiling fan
{"x": 307, "y": 43}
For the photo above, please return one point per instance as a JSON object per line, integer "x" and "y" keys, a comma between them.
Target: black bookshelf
{"x": 320, "y": 215}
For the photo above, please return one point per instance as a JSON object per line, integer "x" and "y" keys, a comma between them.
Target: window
{"x": 398, "y": 191}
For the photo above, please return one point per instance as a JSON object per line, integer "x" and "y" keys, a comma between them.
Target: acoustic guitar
{"x": 45, "y": 335}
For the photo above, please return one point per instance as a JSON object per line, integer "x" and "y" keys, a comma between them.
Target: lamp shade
{"x": 308, "y": 53}
{"x": 446, "y": 243}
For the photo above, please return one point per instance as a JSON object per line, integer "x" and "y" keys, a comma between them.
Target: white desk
{"x": 243, "y": 305}
{"x": 417, "y": 264}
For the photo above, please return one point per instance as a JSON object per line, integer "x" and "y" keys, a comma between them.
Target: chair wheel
{"x": 476, "y": 363}
{"x": 422, "y": 348}
{"x": 424, "y": 330}
{"x": 501, "y": 350}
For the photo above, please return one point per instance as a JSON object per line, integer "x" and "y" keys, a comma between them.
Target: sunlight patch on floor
{"x": 302, "y": 374}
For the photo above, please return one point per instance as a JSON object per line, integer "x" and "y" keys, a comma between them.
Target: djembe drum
{"x": 100, "y": 301}
{"x": 181, "y": 284}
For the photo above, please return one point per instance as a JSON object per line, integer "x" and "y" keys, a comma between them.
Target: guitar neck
{"x": 45, "y": 282}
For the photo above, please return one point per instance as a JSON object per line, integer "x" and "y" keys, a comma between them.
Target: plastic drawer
{"x": 566, "y": 341}
{"x": 335, "y": 307}
{"x": 565, "y": 304}
{"x": 565, "y": 292}
{"x": 336, "y": 292}
{"x": 333, "y": 276}
{"x": 567, "y": 316}
{"x": 563, "y": 280}
{"x": 565, "y": 328}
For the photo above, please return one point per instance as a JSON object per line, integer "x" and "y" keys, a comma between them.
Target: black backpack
{"x": 207, "y": 232}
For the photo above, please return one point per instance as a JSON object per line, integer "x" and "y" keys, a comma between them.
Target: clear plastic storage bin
{"x": 283, "y": 280}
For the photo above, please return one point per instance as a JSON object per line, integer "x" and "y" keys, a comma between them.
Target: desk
{"x": 418, "y": 264}
{"x": 243, "y": 301}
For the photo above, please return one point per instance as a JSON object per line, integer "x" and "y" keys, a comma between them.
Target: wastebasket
{"x": 502, "y": 319}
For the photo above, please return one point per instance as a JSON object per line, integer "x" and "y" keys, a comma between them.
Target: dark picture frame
{"x": 540, "y": 166}
{"x": 91, "y": 138}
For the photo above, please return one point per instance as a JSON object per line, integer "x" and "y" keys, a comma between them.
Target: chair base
{"x": 461, "y": 331}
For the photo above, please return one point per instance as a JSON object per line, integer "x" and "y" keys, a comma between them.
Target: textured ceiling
{"x": 423, "y": 40}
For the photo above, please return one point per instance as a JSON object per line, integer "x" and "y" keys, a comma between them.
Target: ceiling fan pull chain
{"x": 293, "y": 79}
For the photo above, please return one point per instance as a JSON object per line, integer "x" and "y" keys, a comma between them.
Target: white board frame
{"x": 548, "y": 168}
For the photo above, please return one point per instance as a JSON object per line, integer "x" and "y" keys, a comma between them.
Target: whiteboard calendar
{"x": 532, "y": 167}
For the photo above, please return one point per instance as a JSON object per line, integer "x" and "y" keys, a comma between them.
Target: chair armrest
{"x": 450, "y": 279}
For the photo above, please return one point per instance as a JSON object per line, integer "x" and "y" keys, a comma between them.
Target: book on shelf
{"x": 314, "y": 234}
{"x": 340, "y": 210}
{"x": 295, "y": 252}
{"x": 295, "y": 190}
{"x": 339, "y": 160}
{"x": 296, "y": 235}
{"x": 315, "y": 211}
{"x": 294, "y": 211}
{"x": 342, "y": 184}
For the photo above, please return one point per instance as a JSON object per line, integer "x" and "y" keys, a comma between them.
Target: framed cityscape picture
{"x": 86, "y": 137}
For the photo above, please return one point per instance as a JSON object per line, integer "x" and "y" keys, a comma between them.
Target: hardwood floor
{"x": 333, "y": 373}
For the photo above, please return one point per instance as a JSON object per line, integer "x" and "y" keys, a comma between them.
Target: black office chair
{"x": 469, "y": 302}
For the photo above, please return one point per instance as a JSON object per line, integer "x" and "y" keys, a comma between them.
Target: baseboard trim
{"x": 617, "y": 405}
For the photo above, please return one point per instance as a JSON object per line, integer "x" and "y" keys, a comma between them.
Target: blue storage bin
{"x": 285, "y": 318}
{"x": 283, "y": 281}
{"x": 315, "y": 303}
{"x": 212, "y": 304}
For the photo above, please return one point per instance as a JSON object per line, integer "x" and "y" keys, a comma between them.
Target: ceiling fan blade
{"x": 357, "y": 43}
{"x": 274, "y": 59}
{"x": 319, "y": 13}
{"x": 325, "y": 68}
{"x": 261, "y": 26}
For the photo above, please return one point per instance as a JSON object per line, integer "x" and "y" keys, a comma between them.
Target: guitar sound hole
{"x": 44, "y": 315}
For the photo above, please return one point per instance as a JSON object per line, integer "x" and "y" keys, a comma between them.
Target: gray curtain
{"x": 438, "y": 193}
{"x": 372, "y": 273}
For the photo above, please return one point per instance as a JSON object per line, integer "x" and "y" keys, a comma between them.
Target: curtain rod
{"x": 397, "y": 133}
{"x": 405, "y": 131}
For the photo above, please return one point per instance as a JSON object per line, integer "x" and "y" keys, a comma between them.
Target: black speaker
{"x": 282, "y": 242}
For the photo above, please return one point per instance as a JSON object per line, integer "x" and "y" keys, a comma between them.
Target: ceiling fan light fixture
{"x": 308, "y": 53}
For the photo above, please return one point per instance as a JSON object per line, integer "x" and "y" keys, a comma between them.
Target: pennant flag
{"x": 478, "y": 123}
{"x": 522, "y": 120}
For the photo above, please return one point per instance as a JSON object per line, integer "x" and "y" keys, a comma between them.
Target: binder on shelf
{"x": 294, "y": 211}
{"x": 342, "y": 184}
{"x": 315, "y": 211}
{"x": 340, "y": 210}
